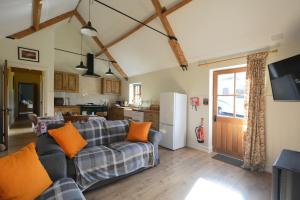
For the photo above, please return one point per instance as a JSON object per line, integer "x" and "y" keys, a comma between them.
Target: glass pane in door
{"x": 240, "y": 84}
{"x": 226, "y": 84}
{"x": 225, "y": 106}
{"x": 239, "y": 106}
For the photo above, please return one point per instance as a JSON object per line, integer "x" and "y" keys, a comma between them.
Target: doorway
{"x": 27, "y": 99}
{"x": 25, "y": 92}
{"x": 228, "y": 111}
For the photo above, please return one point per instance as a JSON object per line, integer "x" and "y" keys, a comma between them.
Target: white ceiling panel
{"x": 211, "y": 28}
{"x": 15, "y": 16}
{"x": 144, "y": 51}
{"x": 53, "y": 8}
{"x": 169, "y": 3}
{"x": 110, "y": 24}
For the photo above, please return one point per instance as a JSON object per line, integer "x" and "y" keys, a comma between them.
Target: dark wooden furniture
{"x": 67, "y": 109}
{"x": 110, "y": 86}
{"x": 286, "y": 170}
{"x": 152, "y": 116}
{"x": 116, "y": 113}
{"x": 66, "y": 82}
{"x": 75, "y": 118}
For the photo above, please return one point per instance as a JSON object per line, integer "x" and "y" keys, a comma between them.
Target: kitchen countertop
{"x": 141, "y": 110}
{"x": 67, "y": 106}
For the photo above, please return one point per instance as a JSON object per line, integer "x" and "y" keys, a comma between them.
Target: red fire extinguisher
{"x": 199, "y": 131}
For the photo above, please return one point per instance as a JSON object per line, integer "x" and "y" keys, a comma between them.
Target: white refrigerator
{"x": 172, "y": 120}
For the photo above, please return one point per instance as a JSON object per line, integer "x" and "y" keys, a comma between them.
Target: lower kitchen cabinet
{"x": 152, "y": 116}
{"x": 67, "y": 109}
{"x": 116, "y": 113}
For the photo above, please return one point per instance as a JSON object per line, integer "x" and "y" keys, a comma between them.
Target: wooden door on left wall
{"x": 4, "y": 106}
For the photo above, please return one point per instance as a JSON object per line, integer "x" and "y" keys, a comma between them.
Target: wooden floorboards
{"x": 189, "y": 174}
{"x": 185, "y": 174}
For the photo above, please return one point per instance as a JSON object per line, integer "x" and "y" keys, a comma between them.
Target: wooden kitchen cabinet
{"x": 58, "y": 80}
{"x": 73, "y": 82}
{"x": 66, "y": 82}
{"x": 110, "y": 86}
{"x": 152, "y": 116}
{"x": 116, "y": 113}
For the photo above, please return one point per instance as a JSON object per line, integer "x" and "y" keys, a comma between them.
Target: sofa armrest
{"x": 46, "y": 145}
{"x": 154, "y": 137}
{"x": 55, "y": 164}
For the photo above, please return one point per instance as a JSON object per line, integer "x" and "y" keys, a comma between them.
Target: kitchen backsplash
{"x": 83, "y": 98}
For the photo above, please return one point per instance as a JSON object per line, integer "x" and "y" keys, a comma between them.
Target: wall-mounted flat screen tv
{"x": 285, "y": 79}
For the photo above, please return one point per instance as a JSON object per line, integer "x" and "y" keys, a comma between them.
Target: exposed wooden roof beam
{"x": 43, "y": 25}
{"x": 176, "y": 7}
{"x": 149, "y": 19}
{"x": 36, "y": 13}
{"x": 174, "y": 44}
{"x": 146, "y": 21}
{"x": 102, "y": 47}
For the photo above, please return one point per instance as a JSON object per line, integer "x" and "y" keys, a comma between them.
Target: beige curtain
{"x": 254, "y": 135}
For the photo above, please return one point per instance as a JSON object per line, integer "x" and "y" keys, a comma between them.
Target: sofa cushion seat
{"x": 99, "y": 163}
{"x": 134, "y": 152}
{"x": 63, "y": 189}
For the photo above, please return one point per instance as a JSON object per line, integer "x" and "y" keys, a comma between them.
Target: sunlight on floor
{"x": 209, "y": 190}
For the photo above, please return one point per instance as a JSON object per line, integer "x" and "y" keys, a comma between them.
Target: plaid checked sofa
{"x": 106, "y": 158}
{"x": 65, "y": 188}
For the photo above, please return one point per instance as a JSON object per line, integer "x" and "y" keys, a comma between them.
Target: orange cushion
{"x": 69, "y": 139}
{"x": 138, "y": 131}
{"x": 22, "y": 176}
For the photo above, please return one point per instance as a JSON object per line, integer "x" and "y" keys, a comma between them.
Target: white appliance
{"x": 172, "y": 120}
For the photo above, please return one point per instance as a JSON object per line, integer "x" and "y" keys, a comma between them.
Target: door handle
{"x": 215, "y": 118}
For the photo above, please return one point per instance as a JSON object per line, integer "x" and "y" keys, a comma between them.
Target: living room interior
{"x": 153, "y": 99}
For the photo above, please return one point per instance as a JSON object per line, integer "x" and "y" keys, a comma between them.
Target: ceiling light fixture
{"x": 88, "y": 29}
{"x": 81, "y": 66}
{"x": 109, "y": 72}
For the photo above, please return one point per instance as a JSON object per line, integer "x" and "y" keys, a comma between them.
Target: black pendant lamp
{"x": 81, "y": 66}
{"x": 88, "y": 29}
{"x": 109, "y": 72}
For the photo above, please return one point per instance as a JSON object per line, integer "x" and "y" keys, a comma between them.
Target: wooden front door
{"x": 4, "y": 108}
{"x": 229, "y": 112}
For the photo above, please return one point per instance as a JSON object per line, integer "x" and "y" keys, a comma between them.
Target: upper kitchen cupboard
{"x": 110, "y": 86}
{"x": 66, "y": 82}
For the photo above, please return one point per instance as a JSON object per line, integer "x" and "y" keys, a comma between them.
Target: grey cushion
{"x": 47, "y": 145}
{"x": 55, "y": 164}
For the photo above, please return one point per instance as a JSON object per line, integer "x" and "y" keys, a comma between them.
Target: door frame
{"x": 4, "y": 104}
{"x": 213, "y": 100}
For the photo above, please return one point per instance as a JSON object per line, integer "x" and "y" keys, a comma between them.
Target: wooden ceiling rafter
{"x": 165, "y": 12}
{"x": 36, "y": 13}
{"x": 174, "y": 44}
{"x": 102, "y": 47}
{"x": 43, "y": 25}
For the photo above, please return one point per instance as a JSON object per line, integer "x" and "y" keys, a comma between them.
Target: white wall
{"x": 42, "y": 41}
{"x": 282, "y": 118}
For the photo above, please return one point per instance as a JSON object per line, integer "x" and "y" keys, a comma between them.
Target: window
{"x": 231, "y": 94}
{"x": 135, "y": 93}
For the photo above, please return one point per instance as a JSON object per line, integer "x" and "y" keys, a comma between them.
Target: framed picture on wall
{"x": 28, "y": 54}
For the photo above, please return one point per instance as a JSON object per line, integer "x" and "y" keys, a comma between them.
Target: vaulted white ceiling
{"x": 206, "y": 29}
{"x": 16, "y": 16}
